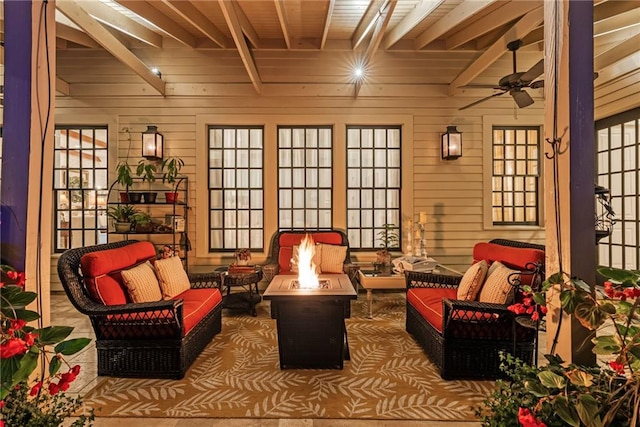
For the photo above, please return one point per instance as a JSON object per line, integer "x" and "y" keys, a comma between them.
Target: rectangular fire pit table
{"x": 310, "y": 322}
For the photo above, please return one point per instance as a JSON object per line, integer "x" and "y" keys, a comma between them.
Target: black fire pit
{"x": 310, "y": 322}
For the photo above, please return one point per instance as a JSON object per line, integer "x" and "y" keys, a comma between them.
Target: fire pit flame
{"x": 307, "y": 269}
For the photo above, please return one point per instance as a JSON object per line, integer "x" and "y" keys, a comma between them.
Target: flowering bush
{"x": 21, "y": 346}
{"x": 560, "y": 394}
{"x": 243, "y": 254}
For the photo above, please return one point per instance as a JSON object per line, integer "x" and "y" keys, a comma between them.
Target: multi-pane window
{"x": 80, "y": 185}
{"x": 236, "y": 188}
{"x": 515, "y": 175}
{"x": 304, "y": 177}
{"x": 373, "y": 183}
{"x": 618, "y": 169}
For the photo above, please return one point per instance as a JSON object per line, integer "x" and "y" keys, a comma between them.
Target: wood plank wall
{"x": 210, "y": 83}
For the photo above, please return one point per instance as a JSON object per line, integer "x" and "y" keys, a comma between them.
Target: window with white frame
{"x": 618, "y": 168}
{"x": 373, "y": 183}
{"x": 80, "y": 186}
{"x": 236, "y": 187}
{"x": 305, "y": 177}
{"x": 515, "y": 175}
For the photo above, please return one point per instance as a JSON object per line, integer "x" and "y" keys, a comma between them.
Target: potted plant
{"x": 242, "y": 256}
{"x": 122, "y": 216}
{"x": 147, "y": 171}
{"x": 170, "y": 168}
{"x": 389, "y": 239}
{"x": 142, "y": 222}
{"x": 125, "y": 179}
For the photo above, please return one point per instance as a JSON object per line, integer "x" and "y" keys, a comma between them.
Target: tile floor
{"x": 63, "y": 313}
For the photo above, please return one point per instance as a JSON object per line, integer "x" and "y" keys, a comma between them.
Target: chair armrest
{"x": 417, "y": 279}
{"x": 205, "y": 280}
{"x": 481, "y": 307}
{"x": 269, "y": 271}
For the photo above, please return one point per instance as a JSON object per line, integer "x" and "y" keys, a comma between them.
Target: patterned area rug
{"x": 238, "y": 375}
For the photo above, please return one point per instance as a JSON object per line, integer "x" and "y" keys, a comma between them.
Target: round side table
{"x": 247, "y": 298}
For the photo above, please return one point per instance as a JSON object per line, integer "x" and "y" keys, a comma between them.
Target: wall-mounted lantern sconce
{"x": 605, "y": 216}
{"x": 451, "y": 144}
{"x": 152, "y": 143}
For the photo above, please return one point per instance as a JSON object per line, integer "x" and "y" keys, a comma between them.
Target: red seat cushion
{"x": 288, "y": 240}
{"x": 428, "y": 302}
{"x": 197, "y": 304}
{"x": 101, "y": 271}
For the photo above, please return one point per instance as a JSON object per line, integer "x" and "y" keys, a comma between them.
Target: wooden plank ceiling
{"x": 482, "y": 27}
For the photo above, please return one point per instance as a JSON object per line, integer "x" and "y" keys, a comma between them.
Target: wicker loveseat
{"x": 281, "y": 249}
{"x": 157, "y": 339}
{"x": 464, "y": 337}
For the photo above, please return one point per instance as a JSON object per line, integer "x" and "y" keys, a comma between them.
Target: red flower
{"x": 30, "y": 338}
{"x": 517, "y": 308}
{"x": 16, "y": 325}
{"x": 35, "y": 389}
{"x": 527, "y": 419}
{"x": 76, "y": 369}
{"x": 1, "y": 423}
{"x": 53, "y": 389}
{"x": 12, "y": 347}
{"x": 1, "y": 404}
{"x": 535, "y": 316}
{"x": 17, "y": 276}
{"x": 617, "y": 367}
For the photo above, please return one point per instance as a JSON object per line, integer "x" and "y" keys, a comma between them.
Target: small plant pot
{"x": 149, "y": 197}
{"x": 124, "y": 197}
{"x": 122, "y": 227}
{"x": 148, "y": 228}
{"x": 171, "y": 197}
{"x": 135, "y": 197}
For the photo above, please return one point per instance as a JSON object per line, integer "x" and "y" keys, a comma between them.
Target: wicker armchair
{"x": 473, "y": 333}
{"x": 143, "y": 340}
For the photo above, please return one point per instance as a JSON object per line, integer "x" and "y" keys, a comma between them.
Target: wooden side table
{"x": 247, "y": 298}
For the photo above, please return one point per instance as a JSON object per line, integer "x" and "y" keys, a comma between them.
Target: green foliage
{"x": 388, "y": 236}
{"x": 124, "y": 174}
{"x": 122, "y": 213}
{"x": 42, "y": 410}
{"x": 147, "y": 171}
{"x": 170, "y": 168}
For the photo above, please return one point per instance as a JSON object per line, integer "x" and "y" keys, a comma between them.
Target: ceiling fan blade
{"x": 486, "y": 98}
{"x": 522, "y": 98}
{"x": 537, "y": 84}
{"x": 533, "y": 72}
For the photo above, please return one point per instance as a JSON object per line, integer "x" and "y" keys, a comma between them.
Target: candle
{"x": 417, "y": 235}
{"x": 423, "y": 217}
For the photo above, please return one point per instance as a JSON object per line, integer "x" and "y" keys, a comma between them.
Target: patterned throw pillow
{"x": 332, "y": 258}
{"x": 472, "y": 281}
{"x": 142, "y": 283}
{"x": 317, "y": 258}
{"x": 173, "y": 279}
{"x": 497, "y": 288}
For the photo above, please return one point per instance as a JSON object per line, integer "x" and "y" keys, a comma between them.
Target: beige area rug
{"x": 238, "y": 375}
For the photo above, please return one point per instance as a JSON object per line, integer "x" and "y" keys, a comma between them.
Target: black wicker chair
{"x": 143, "y": 340}
{"x": 473, "y": 333}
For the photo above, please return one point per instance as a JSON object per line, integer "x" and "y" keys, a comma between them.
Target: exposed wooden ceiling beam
{"x": 461, "y": 13}
{"x": 409, "y": 22}
{"x": 367, "y": 22}
{"x": 609, "y": 40}
{"x": 327, "y": 23}
{"x": 109, "y": 16}
{"x": 71, "y": 34}
{"x": 282, "y": 18}
{"x": 503, "y": 15}
{"x": 196, "y": 18}
{"x": 96, "y": 31}
{"x": 230, "y": 16}
{"x": 617, "y": 23}
{"x": 62, "y": 87}
{"x": 608, "y": 9}
{"x": 246, "y": 26}
{"x": 617, "y": 53}
{"x": 620, "y": 68}
{"x": 376, "y": 37}
{"x": 520, "y": 29}
{"x": 160, "y": 20}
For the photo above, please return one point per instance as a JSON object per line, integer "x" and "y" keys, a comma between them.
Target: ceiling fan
{"x": 514, "y": 83}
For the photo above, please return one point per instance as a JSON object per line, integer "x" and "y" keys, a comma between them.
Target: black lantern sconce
{"x": 605, "y": 216}
{"x": 451, "y": 144}
{"x": 152, "y": 143}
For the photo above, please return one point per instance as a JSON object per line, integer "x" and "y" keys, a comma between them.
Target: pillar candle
{"x": 417, "y": 235}
{"x": 423, "y": 217}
